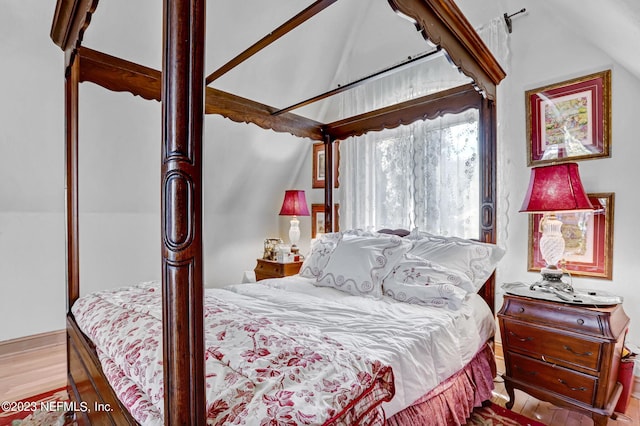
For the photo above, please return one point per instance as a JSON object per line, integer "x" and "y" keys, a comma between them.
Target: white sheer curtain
{"x": 423, "y": 175}
{"x": 495, "y": 36}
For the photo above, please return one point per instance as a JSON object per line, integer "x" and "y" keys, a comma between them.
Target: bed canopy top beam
{"x": 123, "y": 76}
{"x": 274, "y": 35}
{"x": 426, "y": 107}
{"x": 440, "y": 21}
{"x": 70, "y": 20}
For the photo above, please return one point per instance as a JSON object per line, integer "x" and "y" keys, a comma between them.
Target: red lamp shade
{"x": 294, "y": 204}
{"x": 555, "y": 188}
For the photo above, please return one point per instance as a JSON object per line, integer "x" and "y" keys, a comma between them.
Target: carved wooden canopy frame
{"x": 185, "y": 99}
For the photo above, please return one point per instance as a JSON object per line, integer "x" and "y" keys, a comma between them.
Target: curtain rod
{"x": 355, "y": 83}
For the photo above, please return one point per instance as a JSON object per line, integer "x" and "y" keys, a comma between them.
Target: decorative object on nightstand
{"x": 294, "y": 204}
{"x": 552, "y": 189}
{"x": 565, "y": 354}
{"x": 270, "y": 248}
{"x": 272, "y": 269}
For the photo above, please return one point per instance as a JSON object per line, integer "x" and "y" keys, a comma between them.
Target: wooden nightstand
{"x": 565, "y": 354}
{"x": 272, "y": 269}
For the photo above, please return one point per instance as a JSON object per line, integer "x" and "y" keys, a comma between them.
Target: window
{"x": 423, "y": 175}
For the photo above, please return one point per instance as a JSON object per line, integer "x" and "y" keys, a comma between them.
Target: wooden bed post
{"x": 328, "y": 183}
{"x": 182, "y": 271}
{"x": 488, "y": 179}
{"x": 72, "y": 79}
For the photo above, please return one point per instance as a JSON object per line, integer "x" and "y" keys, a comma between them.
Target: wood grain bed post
{"x": 488, "y": 182}
{"x": 328, "y": 183}
{"x": 72, "y": 78}
{"x": 182, "y": 271}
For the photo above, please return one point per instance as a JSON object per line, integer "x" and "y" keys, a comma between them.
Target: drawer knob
{"x": 581, "y": 388}
{"x": 568, "y": 348}
{"x": 580, "y": 321}
{"x": 520, "y": 310}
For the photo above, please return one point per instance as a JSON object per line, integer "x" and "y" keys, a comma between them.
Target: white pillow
{"x": 438, "y": 295}
{"x": 412, "y": 269}
{"x": 324, "y": 245}
{"x": 321, "y": 250}
{"x": 359, "y": 264}
{"x": 418, "y": 281}
{"x": 475, "y": 259}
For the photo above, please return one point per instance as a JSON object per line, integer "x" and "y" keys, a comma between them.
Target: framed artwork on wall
{"x": 570, "y": 120}
{"x": 588, "y": 239}
{"x": 317, "y": 219}
{"x": 318, "y": 165}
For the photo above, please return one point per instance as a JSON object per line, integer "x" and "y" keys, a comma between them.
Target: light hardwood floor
{"x": 38, "y": 371}
{"x": 32, "y": 372}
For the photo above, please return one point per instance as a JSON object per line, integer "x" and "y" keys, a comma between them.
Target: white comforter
{"x": 423, "y": 345}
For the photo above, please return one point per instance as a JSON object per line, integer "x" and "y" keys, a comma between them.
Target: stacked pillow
{"x": 475, "y": 259}
{"x": 421, "y": 269}
{"x": 323, "y": 247}
{"x": 321, "y": 250}
{"x": 358, "y": 264}
{"x": 418, "y": 281}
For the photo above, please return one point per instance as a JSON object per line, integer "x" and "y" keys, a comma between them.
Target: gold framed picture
{"x": 570, "y": 120}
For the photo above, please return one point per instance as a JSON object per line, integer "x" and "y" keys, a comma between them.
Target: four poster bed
{"x": 189, "y": 368}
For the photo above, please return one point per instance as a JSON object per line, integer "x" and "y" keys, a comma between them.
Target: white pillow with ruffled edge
{"x": 323, "y": 246}
{"x": 413, "y": 269}
{"x": 475, "y": 259}
{"x": 437, "y": 295}
{"x": 319, "y": 255}
{"x": 359, "y": 264}
{"x": 418, "y": 281}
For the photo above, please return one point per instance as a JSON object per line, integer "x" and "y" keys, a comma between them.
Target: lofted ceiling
{"x": 347, "y": 41}
{"x": 612, "y": 26}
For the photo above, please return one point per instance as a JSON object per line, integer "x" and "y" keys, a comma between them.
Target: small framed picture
{"x": 319, "y": 165}
{"x": 588, "y": 238}
{"x": 317, "y": 219}
{"x": 570, "y": 120}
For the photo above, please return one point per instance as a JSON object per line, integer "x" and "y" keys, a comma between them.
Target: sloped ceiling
{"x": 304, "y": 63}
{"x": 612, "y": 26}
{"x": 312, "y": 59}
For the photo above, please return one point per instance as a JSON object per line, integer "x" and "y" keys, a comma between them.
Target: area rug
{"x": 42, "y": 409}
{"x": 495, "y": 415}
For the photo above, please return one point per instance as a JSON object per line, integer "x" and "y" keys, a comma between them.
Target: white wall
{"x": 546, "y": 50}
{"x": 32, "y": 185}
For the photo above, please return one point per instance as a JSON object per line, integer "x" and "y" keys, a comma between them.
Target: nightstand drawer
{"x": 577, "y": 386}
{"x": 578, "y": 320}
{"x": 565, "y": 350}
{"x": 270, "y": 269}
